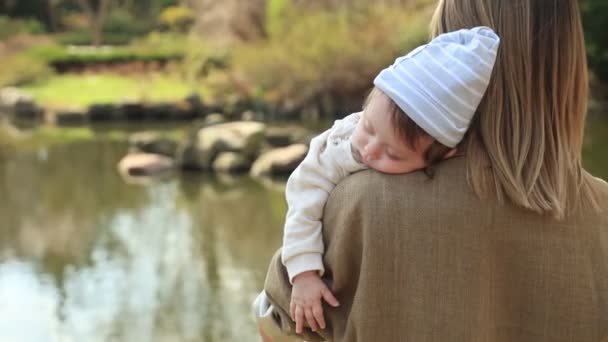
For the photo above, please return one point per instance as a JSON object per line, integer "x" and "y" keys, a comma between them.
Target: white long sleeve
{"x": 328, "y": 161}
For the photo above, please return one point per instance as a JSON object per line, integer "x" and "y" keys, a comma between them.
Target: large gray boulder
{"x": 243, "y": 137}
{"x": 230, "y": 162}
{"x": 214, "y": 119}
{"x": 240, "y": 136}
{"x": 279, "y": 161}
{"x": 285, "y": 136}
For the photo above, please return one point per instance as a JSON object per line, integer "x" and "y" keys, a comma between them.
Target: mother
{"x": 508, "y": 241}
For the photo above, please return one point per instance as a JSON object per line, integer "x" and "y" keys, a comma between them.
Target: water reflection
{"x": 90, "y": 258}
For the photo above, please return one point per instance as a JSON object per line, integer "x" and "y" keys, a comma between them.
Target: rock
{"x": 66, "y": 117}
{"x": 187, "y": 156}
{"x": 231, "y": 162}
{"x": 105, "y": 112}
{"x": 285, "y": 136}
{"x": 10, "y": 96}
{"x": 27, "y": 110}
{"x": 151, "y": 142}
{"x": 196, "y": 105}
{"x": 234, "y": 136}
{"x": 214, "y": 119}
{"x": 145, "y": 164}
{"x": 278, "y": 137}
{"x": 279, "y": 161}
{"x": 233, "y": 106}
{"x": 186, "y": 153}
{"x": 21, "y": 104}
{"x": 183, "y": 110}
{"x": 243, "y": 137}
{"x": 250, "y": 115}
{"x": 160, "y": 111}
{"x": 134, "y": 111}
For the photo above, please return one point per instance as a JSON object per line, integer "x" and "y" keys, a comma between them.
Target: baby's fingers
{"x": 329, "y": 297}
{"x": 299, "y": 319}
{"x": 317, "y": 311}
{"x": 310, "y": 318}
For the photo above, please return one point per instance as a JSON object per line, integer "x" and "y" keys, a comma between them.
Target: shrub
{"x": 160, "y": 43}
{"x": 10, "y": 27}
{"x": 85, "y": 37}
{"x": 74, "y": 21}
{"x": 594, "y": 13}
{"x": 336, "y": 53}
{"x": 154, "y": 47}
{"x": 18, "y": 70}
{"x": 122, "y": 22}
{"x": 120, "y": 28}
{"x": 177, "y": 18}
{"x": 275, "y": 14}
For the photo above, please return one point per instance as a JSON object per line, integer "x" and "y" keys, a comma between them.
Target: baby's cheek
{"x": 357, "y": 141}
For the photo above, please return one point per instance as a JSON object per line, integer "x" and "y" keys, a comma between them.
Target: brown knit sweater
{"x": 413, "y": 259}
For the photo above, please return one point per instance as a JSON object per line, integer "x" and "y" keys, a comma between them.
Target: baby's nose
{"x": 372, "y": 150}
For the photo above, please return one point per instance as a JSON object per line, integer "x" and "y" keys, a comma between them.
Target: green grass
{"x": 83, "y": 90}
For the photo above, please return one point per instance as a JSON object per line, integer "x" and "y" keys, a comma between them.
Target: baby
{"x": 415, "y": 116}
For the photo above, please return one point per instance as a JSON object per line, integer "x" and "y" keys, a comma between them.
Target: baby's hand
{"x": 308, "y": 289}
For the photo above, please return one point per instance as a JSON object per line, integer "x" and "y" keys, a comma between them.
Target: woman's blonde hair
{"x": 525, "y": 141}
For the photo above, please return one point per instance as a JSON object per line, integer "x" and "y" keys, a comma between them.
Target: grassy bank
{"x": 83, "y": 90}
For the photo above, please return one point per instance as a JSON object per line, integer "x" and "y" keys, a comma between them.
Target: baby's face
{"x": 378, "y": 144}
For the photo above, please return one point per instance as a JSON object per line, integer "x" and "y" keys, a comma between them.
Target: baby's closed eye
{"x": 393, "y": 156}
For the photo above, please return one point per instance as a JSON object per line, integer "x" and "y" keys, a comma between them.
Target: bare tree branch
{"x": 97, "y": 17}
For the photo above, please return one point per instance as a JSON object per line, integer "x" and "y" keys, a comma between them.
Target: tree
{"x": 53, "y": 14}
{"x": 97, "y": 16}
{"x": 242, "y": 20}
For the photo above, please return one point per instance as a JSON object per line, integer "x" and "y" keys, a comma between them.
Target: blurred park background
{"x": 144, "y": 146}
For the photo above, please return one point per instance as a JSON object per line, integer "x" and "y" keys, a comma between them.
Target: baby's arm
{"x": 328, "y": 161}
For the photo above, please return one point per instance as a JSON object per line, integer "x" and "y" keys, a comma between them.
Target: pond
{"x": 86, "y": 256}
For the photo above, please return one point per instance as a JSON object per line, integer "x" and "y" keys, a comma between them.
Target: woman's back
{"x": 413, "y": 259}
{"x": 510, "y": 242}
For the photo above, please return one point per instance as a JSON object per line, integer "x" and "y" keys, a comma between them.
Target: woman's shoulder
{"x": 600, "y": 188}
{"x": 448, "y": 178}
{"x": 596, "y": 181}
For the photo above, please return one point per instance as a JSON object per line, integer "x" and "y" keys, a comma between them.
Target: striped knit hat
{"x": 439, "y": 85}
